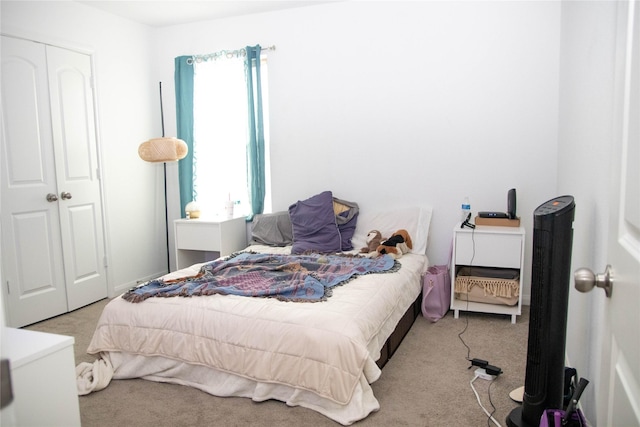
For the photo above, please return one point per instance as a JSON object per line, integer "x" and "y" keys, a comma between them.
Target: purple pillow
{"x": 314, "y": 225}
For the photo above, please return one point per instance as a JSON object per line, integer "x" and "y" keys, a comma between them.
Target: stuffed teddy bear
{"x": 374, "y": 239}
{"x": 395, "y": 246}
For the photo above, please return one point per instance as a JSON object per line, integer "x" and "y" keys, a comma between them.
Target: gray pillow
{"x": 346, "y": 219}
{"x": 272, "y": 229}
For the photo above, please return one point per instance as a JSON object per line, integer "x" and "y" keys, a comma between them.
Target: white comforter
{"x": 326, "y": 350}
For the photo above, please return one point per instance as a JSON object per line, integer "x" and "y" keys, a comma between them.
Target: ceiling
{"x": 159, "y": 13}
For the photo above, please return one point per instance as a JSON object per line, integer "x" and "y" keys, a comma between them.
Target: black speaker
{"x": 550, "y": 278}
{"x": 511, "y": 203}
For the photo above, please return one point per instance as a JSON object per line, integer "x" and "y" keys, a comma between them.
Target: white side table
{"x": 43, "y": 378}
{"x": 487, "y": 246}
{"x": 201, "y": 240}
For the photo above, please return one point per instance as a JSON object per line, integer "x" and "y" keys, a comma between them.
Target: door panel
{"x": 70, "y": 89}
{"x": 37, "y": 287}
{"x": 77, "y": 165}
{"x": 622, "y": 413}
{"x": 85, "y": 271}
{"x": 32, "y": 248}
{"x": 621, "y": 383}
{"x": 25, "y": 166}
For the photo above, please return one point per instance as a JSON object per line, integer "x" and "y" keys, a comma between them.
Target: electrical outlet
{"x": 482, "y": 373}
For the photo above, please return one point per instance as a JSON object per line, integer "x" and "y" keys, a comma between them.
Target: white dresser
{"x": 43, "y": 379}
{"x": 201, "y": 240}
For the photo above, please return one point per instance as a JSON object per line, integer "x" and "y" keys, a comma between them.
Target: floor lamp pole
{"x": 163, "y": 150}
{"x": 166, "y": 204}
{"x": 166, "y": 216}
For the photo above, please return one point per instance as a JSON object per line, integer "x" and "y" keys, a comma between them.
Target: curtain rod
{"x": 237, "y": 53}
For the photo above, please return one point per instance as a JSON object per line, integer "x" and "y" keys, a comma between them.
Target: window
{"x": 220, "y": 135}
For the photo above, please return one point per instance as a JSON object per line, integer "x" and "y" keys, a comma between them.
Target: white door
{"x": 31, "y": 254}
{"x": 76, "y": 158}
{"x": 619, "y": 390}
{"x": 53, "y": 256}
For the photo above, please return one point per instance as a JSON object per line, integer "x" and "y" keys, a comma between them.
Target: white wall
{"x": 385, "y": 103}
{"x": 402, "y": 103}
{"x": 127, "y": 114}
{"x": 584, "y": 156}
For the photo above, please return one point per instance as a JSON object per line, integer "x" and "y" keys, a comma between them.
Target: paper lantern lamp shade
{"x": 163, "y": 150}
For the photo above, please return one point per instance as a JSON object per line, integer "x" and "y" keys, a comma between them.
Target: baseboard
{"x": 122, "y": 288}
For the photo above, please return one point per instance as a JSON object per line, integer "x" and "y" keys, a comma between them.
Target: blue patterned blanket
{"x": 286, "y": 277}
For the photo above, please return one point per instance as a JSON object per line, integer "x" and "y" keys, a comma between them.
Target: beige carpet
{"x": 426, "y": 383}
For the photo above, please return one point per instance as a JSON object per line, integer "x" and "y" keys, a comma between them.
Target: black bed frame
{"x": 396, "y": 337}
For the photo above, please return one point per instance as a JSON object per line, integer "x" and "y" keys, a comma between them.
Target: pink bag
{"x": 436, "y": 292}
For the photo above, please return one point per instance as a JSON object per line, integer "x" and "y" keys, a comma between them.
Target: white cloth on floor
{"x": 93, "y": 376}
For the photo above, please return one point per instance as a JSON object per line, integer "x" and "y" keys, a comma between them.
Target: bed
{"x": 319, "y": 355}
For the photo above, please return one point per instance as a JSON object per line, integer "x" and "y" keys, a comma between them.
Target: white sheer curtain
{"x": 220, "y": 123}
{"x": 220, "y": 135}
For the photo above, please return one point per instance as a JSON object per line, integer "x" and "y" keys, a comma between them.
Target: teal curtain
{"x": 184, "y": 119}
{"x": 255, "y": 143}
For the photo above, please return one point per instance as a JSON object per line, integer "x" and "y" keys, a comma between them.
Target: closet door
{"x": 77, "y": 176}
{"x": 32, "y": 264}
{"x": 52, "y": 247}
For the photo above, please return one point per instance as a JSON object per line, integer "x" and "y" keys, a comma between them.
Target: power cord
{"x": 466, "y": 317}
{"x": 493, "y": 407}
{"x": 489, "y": 414}
{"x": 486, "y": 371}
{"x": 462, "y": 340}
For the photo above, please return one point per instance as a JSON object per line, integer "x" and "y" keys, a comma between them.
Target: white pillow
{"x": 415, "y": 220}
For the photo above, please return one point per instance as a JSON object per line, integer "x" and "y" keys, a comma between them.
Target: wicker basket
{"x": 490, "y": 290}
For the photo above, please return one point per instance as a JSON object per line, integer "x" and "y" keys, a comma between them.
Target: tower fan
{"x": 550, "y": 277}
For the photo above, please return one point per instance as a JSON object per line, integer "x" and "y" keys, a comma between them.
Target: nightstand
{"x": 43, "y": 379}
{"x": 487, "y": 246}
{"x": 202, "y": 240}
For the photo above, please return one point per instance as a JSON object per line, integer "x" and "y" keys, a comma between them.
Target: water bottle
{"x": 466, "y": 208}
